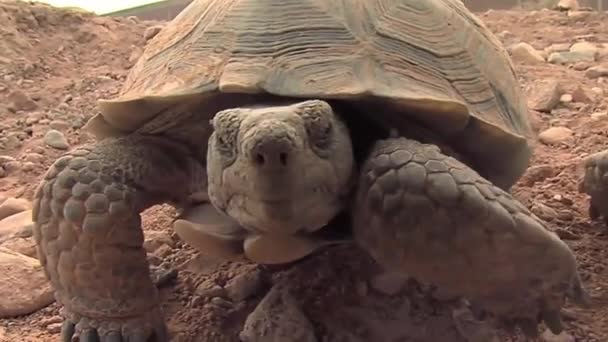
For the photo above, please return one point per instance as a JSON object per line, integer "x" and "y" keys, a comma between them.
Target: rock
{"x": 59, "y": 125}
{"x": 155, "y": 239}
{"x": 34, "y": 157}
{"x": 569, "y": 57}
{"x": 585, "y": 48}
{"x": 597, "y": 72}
{"x": 543, "y": 211}
{"x": 244, "y": 285}
{"x": 599, "y": 116}
{"x": 565, "y": 234}
{"x": 598, "y": 91}
{"x": 54, "y": 328}
{"x": 5, "y": 159}
{"x": 555, "y": 135}
{"x": 12, "y": 206}
{"x": 579, "y": 15}
{"x": 12, "y": 167}
{"x": 388, "y": 283}
{"x": 545, "y": 95}
{"x": 548, "y": 336}
{"x": 581, "y": 66}
{"x": 25, "y": 246}
{"x": 581, "y": 95}
{"x": 471, "y": 329}
{"x": 28, "y": 166}
{"x": 538, "y": 173}
{"x": 208, "y": 289}
{"x": 557, "y": 48}
{"x": 566, "y": 98}
{"x": 20, "y": 101}
{"x": 23, "y": 285}
{"x": 51, "y": 320}
{"x": 17, "y": 224}
{"x": 56, "y": 139}
{"x": 151, "y": 32}
{"x": 525, "y": 53}
{"x": 277, "y": 318}
{"x": 567, "y": 5}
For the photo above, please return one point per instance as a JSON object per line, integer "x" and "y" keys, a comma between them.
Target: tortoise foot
{"x": 148, "y": 327}
{"x": 87, "y": 227}
{"x": 214, "y": 234}
{"x": 432, "y": 217}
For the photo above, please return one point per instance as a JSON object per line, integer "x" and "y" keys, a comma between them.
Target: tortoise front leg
{"x": 89, "y": 238}
{"x": 430, "y": 216}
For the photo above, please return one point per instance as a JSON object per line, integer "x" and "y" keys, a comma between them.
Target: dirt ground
{"x": 54, "y": 65}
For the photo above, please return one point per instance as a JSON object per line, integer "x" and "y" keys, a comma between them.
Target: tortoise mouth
{"x": 282, "y": 215}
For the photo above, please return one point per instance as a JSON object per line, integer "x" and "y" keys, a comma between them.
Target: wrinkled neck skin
{"x": 284, "y": 168}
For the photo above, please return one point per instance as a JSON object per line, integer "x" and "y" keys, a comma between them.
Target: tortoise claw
{"x": 67, "y": 331}
{"x": 89, "y": 335}
{"x": 553, "y": 320}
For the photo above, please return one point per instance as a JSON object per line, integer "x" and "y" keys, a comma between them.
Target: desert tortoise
{"x": 594, "y": 182}
{"x": 317, "y": 107}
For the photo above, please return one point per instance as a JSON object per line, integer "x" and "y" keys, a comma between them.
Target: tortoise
{"x": 593, "y": 183}
{"x": 265, "y": 120}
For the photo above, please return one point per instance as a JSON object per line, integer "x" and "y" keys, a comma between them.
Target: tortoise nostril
{"x": 283, "y": 158}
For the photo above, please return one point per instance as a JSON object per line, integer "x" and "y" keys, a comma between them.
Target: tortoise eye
{"x": 319, "y": 130}
{"x": 226, "y": 125}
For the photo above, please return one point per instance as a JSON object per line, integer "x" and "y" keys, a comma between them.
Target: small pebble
{"x": 54, "y": 328}
{"x": 56, "y": 139}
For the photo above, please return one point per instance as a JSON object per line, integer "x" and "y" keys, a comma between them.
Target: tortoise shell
{"x": 432, "y": 62}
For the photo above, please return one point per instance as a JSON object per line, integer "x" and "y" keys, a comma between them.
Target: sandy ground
{"x": 54, "y": 64}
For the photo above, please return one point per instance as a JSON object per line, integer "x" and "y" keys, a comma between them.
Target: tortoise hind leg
{"x": 89, "y": 239}
{"x": 425, "y": 214}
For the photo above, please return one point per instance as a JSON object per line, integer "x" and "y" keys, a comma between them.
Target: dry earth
{"x": 55, "y": 63}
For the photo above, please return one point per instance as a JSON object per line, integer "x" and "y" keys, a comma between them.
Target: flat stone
{"x": 569, "y": 57}
{"x": 19, "y": 101}
{"x": 23, "y": 285}
{"x": 12, "y": 206}
{"x": 526, "y": 53}
{"x": 545, "y": 95}
{"x": 585, "y": 48}
{"x": 25, "y": 246}
{"x": 59, "y": 125}
{"x": 155, "y": 239}
{"x": 277, "y": 318}
{"x": 555, "y": 135}
{"x": 599, "y": 116}
{"x": 597, "y": 72}
{"x": 244, "y": 285}
{"x": 16, "y": 225}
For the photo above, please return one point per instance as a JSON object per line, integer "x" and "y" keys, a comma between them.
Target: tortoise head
{"x": 280, "y": 169}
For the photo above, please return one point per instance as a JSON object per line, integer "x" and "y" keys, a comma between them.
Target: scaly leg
{"x": 594, "y": 182}
{"x": 425, "y": 214}
{"x": 89, "y": 238}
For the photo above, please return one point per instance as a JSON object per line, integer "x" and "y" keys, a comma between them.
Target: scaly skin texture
{"x": 280, "y": 169}
{"x": 88, "y": 233}
{"x": 595, "y": 183}
{"x": 425, "y": 214}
